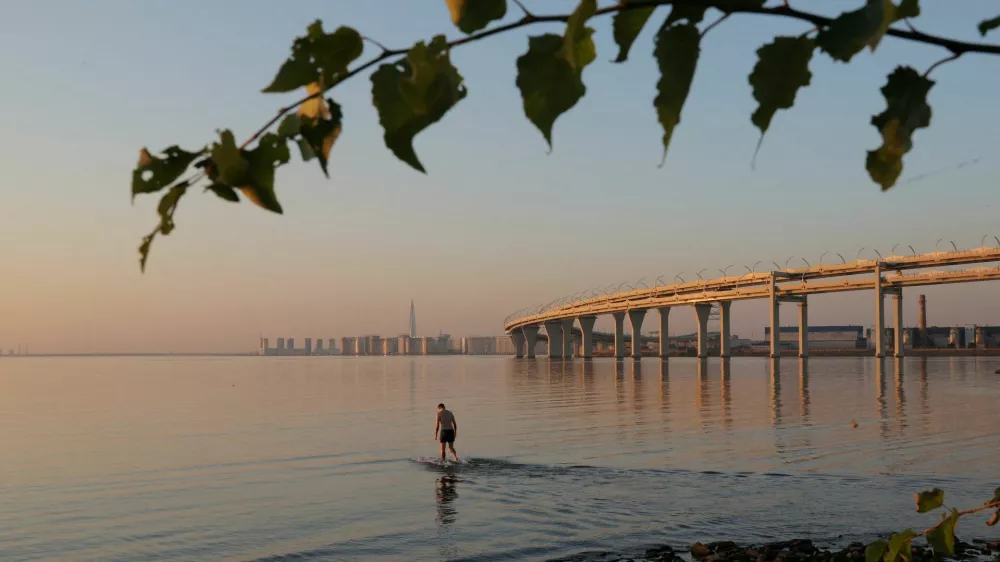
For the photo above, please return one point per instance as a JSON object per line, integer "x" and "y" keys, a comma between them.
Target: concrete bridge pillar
{"x": 664, "y": 333}
{"x": 567, "y": 330}
{"x": 775, "y": 319}
{"x": 897, "y": 336}
{"x": 587, "y": 333}
{"x": 701, "y": 312}
{"x": 619, "y": 334}
{"x": 530, "y": 338}
{"x": 518, "y": 337}
{"x": 725, "y": 327}
{"x": 804, "y": 327}
{"x": 635, "y": 317}
{"x": 553, "y": 329}
{"x": 879, "y": 334}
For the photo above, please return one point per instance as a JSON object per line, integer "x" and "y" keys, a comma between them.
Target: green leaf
{"x": 986, "y": 26}
{"x": 414, "y": 93}
{"x": 782, "y": 68}
{"x": 942, "y": 538}
{"x": 875, "y": 551}
{"x": 549, "y": 85}
{"x": 271, "y": 152}
{"x": 907, "y": 9}
{"x": 152, "y": 174}
{"x": 851, "y": 32}
{"x": 689, "y": 12}
{"x": 996, "y": 496}
{"x": 167, "y": 206}
{"x": 318, "y": 57}
{"x": 290, "y": 126}
{"x": 147, "y": 241}
{"x": 730, "y": 5}
{"x": 907, "y": 110}
{"x": 472, "y": 15}
{"x": 626, "y": 26}
{"x": 677, "y": 49}
{"x": 929, "y": 500}
{"x": 899, "y": 545}
{"x": 577, "y": 36}
{"x": 224, "y": 192}
{"x": 230, "y": 166}
{"x": 320, "y": 134}
{"x": 306, "y": 150}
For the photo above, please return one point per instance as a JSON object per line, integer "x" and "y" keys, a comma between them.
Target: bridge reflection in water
{"x": 883, "y": 276}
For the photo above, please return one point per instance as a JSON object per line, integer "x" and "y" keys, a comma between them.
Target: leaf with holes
{"x": 782, "y": 68}
{"x": 152, "y": 174}
{"x": 626, "y": 27}
{"x": 929, "y": 500}
{"x": 875, "y": 551}
{"x": 676, "y": 52}
{"x": 942, "y": 538}
{"x": 851, "y": 32}
{"x": 470, "y": 16}
{"x": 986, "y": 26}
{"x": 412, "y": 94}
{"x": 318, "y": 57}
{"x": 165, "y": 208}
{"x": 907, "y": 110}
{"x": 290, "y": 126}
{"x": 258, "y": 184}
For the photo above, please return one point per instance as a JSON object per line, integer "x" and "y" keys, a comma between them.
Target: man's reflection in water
{"x": 446, "y": 494}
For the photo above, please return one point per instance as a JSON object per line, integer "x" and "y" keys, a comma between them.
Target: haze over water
{"x": 314, "y": 458}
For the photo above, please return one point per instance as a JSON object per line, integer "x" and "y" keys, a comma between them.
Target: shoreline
{"x": 795, "y": 550}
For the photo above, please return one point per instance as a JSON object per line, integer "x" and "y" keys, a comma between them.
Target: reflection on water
{"x": 309, "y": 458}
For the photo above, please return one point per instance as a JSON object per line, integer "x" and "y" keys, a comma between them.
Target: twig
{"x": 527, "y": 12}
{"x": 988, "y": 505}
{"x": 376, "y": 43}
{"x": 940, "y": 62}
{"x": 954, "y": 46}
{"x": 713, "y": 24}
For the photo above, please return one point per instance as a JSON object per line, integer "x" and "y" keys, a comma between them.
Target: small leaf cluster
{"x": 940, "y": 537}
{"x": 416, "y": 87}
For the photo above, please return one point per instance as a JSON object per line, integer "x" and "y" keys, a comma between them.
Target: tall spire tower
{"x": 413, "y": 320}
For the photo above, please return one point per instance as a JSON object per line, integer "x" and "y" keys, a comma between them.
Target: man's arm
{"x": 437, "y": 424}
{"x": 454, "y": 424}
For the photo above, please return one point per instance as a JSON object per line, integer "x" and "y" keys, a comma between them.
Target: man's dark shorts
{"x": 448, "y": 436}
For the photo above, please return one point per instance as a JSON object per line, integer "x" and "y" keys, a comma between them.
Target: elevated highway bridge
{"x": 883, "y": 277}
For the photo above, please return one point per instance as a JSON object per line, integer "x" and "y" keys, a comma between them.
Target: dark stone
{"x": 700, "y": 551}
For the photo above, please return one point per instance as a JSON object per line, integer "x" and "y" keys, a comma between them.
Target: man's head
{"x": 440, "y": 406}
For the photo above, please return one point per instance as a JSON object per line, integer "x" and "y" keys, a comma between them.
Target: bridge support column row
{"x": 530, "y": 338}
{"x": 879, "y": 334}
{"x": 587, "y": 336}
{"x": 664, "y": 333}
{"x": 554, "y": 330}
{"x": 804, "y": 328}
{"x": 518, "y": 337}
{"x": 701, "y": 312}
{"x": 775, "y": 319}
{"x": 898, "y": 332}
{"x": 567, "y": 333}
{"x": 725, "y": 323}
{"x": 635, "y": 317}
{"x": 619, "y": 334}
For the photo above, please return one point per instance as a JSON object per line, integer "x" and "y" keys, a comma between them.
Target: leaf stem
{"x": 713, "y": 24}
{"x": 940, "y": 62}
{"x": 988, "y": 505}
{"x": 527, "y": 12}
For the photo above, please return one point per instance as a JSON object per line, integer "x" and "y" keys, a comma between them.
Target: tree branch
{"x": 956, "y": 47}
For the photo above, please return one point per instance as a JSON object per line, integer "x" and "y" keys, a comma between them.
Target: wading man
{"x": 445, "y": 422}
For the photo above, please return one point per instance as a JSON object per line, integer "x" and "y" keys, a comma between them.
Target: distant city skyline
{"x": 497, "y": 224}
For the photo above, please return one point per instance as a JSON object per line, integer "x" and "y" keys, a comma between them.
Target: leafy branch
{"x": 940, "y": 537}
{"x": 415, "y": 87}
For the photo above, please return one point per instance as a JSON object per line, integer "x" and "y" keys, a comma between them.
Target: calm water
{"x": 312, "y": 458}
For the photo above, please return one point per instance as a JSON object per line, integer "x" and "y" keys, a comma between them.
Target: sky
{"x": 497, "y": 224}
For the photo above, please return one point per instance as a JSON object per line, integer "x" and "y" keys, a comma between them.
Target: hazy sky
{"x": 496, "y": 225}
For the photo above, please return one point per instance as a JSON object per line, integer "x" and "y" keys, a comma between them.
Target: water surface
{"x": 313, "y": 458}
